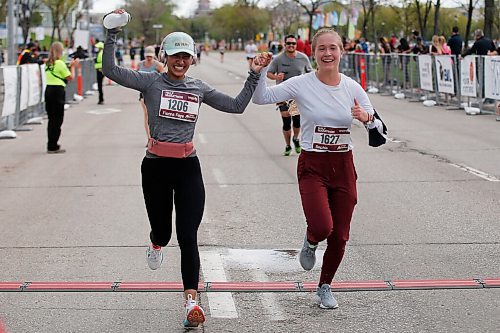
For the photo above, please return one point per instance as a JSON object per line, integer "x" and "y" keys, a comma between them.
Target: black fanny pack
{"x": 51, "y": 70}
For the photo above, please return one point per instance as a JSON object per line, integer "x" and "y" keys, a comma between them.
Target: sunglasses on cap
{"x": 291, "y": 43}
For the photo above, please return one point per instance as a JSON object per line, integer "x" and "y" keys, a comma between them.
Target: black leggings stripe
{"x": 175, "y": 181}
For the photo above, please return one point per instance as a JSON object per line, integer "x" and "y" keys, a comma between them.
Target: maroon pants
{"x": 327, "y": 184}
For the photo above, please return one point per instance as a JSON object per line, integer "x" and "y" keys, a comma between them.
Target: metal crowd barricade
{"x": 401, "y": 75}
{"x": 22, "y": 98}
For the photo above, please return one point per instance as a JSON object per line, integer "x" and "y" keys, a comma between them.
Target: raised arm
{"x": 123, "y": 76}
{"x": 238, "y": 104}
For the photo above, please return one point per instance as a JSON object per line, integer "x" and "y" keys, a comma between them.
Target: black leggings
{"x": 169, "y": 181}
{"x": 54, "y": 105}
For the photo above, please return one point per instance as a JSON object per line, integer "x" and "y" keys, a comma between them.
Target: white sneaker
{"x": 194, "y": 313}
{"x": 154, "y": 257}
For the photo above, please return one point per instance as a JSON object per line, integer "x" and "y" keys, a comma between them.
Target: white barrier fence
{"x": 22, "y": 90}
{"x": 471, "y": 83}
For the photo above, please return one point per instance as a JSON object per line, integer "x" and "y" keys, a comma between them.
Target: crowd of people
{"x": 438, "y": 45}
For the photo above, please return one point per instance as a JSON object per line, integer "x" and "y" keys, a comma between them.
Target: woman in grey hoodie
{"x": 171, "y": 170}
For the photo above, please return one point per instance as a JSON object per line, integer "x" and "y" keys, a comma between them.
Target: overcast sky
{"x": 186, "y": 8}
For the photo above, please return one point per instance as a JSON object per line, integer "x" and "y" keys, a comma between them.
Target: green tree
{"x": 490, "y": 16}
{"x": 146, "y": 13}
{"x": 59, "y": 10}
{"x": 3, "y": 10}
{"x": 423, "y": 18}
{"x": 27, "y": 16}
{"x": 310, "y": 7}
{"x": 285, "y": 17}
{"x": 236, "y": 21}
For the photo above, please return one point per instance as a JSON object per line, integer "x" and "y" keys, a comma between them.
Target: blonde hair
{"x": 437, "y": 44}
{"x": 324, "y": 31}
{"x": 55, "y": 53}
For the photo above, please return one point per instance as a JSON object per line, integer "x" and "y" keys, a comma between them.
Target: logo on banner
{"x": 444, "y": 74}
{"x": 425, "y": 72}
{"x": 468, "y": 76}
{"x": 492, "y": 77}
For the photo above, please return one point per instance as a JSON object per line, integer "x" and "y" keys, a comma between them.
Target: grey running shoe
{"x": 326, "y": 299}
{"x": 154, "y": 257}
{"x": 307, "y": 255}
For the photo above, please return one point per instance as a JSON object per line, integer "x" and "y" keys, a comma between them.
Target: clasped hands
{"x": 261, "y": 60}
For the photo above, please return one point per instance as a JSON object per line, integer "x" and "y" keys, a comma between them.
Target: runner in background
{"x": 171, "y": 172}
{"x": 328, "y": 101}
{"x": 250, "y": 52}
{"x": 222, "y": 49}
{"x": 284, "y": 66}
{"x": 150, "y": 64}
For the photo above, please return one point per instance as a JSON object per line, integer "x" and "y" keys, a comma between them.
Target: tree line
{"x": 244, "y": 19}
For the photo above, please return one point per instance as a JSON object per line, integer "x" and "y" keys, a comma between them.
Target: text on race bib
{"x": 331, "y": 139}
{"x": 179, "y": 105}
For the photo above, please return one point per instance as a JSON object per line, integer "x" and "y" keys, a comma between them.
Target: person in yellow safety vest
{"x": 98, "y": 67}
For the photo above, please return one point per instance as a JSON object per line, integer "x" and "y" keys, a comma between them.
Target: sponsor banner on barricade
{"x": 34, "y": 84}
{"x": 492, "y": 77}
{"x": 10, "y": 79}
{"x": 23, "y": 103}
{"x": 425, "y": 72}
{"x": 444, "y": 74}
{"x": 468, "y": 79}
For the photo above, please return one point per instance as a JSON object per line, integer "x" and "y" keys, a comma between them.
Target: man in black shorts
{"x": 288, "y": 64}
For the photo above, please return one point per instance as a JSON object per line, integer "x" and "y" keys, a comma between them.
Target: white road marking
{"x": 219, "y": 177}
{"x": 476, "y": 172}
{"x": 393, "y": 140}
{"x": 202, "y": 138}
{"x": 104, "y": 111}
{"x": 270, "y": 304}
{"x": 221, "y": 304}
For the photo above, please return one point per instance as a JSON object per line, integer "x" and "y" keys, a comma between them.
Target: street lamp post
{"x": 157, "y": 27}
{"x": 11, "y": 39}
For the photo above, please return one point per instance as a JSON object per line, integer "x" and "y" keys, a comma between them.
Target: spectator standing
{"x": 307, "y": 49}
{"x": 419, "y": 47}
{"x": 436, "y": 47}
{"x": 455, "y": 42}
{"x": 403, "y": 49}
{"x": 482, "y": 45}
{"x": 98, "y": 68}
{"x": 301, "y": 46}
{"x": 80, "y": 53}
{"x": 56, "y": 76}
{"x": 29, "y": 55}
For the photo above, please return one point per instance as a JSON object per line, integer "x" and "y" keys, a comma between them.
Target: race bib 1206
{"x": 179, "y": 105}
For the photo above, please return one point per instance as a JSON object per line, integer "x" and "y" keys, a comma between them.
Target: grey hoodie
{"x": 164, "y": 114}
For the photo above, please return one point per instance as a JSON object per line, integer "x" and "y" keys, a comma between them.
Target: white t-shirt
{"x": 251, "y": 50}
{"x": 320, "y": 105}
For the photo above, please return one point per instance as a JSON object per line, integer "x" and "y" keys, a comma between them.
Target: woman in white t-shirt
{"x": 328, "y": 102}
{"x": 250, "y": 51}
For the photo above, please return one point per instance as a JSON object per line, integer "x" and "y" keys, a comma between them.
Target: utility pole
{"x": 11, "y": 37}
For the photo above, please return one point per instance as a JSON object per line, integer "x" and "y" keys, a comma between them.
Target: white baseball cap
{"x": 177, "y": 42}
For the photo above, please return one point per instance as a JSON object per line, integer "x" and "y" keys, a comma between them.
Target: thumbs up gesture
{"x": 359, "y": 113}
